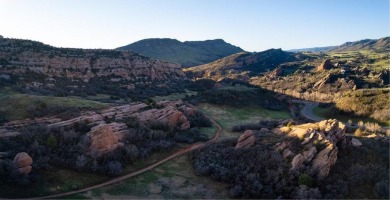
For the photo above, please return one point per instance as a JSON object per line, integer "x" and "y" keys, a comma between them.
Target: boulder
{"x": 304, "y": 157}
{"x": 287, "y": 154}
{"x": 324, "y": 160}
{"x": 355, "y": 142}
{"x": 23, "y": 162}
{"x": 246, "y": 140}
{"x": 325, "y": 65}
{"x": 106, "y": 137}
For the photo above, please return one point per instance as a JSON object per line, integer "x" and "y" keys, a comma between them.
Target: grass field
{"x": 53, "y": 181}
{"x": 228, "y": 117}
{"x": 171, "y": 180}
{"x": 16, "y": 106}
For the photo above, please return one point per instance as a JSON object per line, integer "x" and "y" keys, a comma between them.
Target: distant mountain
{"x": 313, "y": 49}
{"x": 37, "y": 66}
{"x": 243, "y": 63}
{"x": 382, "y": 44}
{"x": 190, "y": 53}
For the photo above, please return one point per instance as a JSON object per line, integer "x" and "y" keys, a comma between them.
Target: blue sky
{"x": 254, "y": 25}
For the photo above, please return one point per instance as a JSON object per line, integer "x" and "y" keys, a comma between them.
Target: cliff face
{"x": 124, "y": 69}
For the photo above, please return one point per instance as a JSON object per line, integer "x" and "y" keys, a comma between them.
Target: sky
{"x": 253, "y": 25}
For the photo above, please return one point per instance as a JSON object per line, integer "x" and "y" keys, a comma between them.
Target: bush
{"x": 358, "y": 132}
{"x": 199, "y": 120}
{"x": 382, "y": 190}
{"x": 132, "y": 122}
{"x": 191, "y": 136}
{"x": 52, "y": 141}
{"x": 305, "y": 179}
{"x": 255, "y": 172}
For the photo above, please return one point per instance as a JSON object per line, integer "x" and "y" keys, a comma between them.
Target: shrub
{"x": 52, "y": 141}
{"x": 359, "y": 132}
{"x": 381, "y": 190}
{"x": 305, "y": 179}
{"x": 132, "y": 122}
{"x": 199, "y": 120}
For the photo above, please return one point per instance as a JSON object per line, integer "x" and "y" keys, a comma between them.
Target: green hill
{"x": 382, "y": 44}
{"x": 190, "y": 53}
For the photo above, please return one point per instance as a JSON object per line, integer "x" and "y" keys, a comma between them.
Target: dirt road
{"x": 307, "y": 110}
{"x": 121, "y": 178}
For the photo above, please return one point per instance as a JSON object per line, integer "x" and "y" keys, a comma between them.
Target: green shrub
{"x": 52, "y": 141}
{"x": 305, "y": 179}
{"x": 359, "y": 132}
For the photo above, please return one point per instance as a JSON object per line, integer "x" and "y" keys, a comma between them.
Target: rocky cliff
{"x": 39, "y": 65}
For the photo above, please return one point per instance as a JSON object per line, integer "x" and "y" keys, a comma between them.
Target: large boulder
{"x": 106, "y": 137}
{"x": 247, "y": 139}
{"x": 304, "y": 157}
{"x": 324, "y": 160}
{"x": 23, "y": 163}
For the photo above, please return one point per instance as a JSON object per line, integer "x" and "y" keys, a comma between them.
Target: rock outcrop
{"x": 277, "y": 72}
{"x": 319, "y": 143}
{"x": 247, "y": 139}
{"x": 23, "y": 163}
{"x": 355, "y": 142}
{"x": 325, "y": 65}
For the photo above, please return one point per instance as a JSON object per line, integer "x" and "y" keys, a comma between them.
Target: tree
{"x": 114, "y": 168}
{"x": 305, "y": 179}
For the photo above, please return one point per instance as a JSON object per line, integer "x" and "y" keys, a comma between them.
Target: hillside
{"x": 34, "y": 66}
{"x": 243, "y": 63}
{"x": 382, "y": 44}
{"x": 313, "y": 49}
{"x": 190, "y": 53}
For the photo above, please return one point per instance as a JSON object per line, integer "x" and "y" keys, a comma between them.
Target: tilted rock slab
{"x": 247, "y": 139}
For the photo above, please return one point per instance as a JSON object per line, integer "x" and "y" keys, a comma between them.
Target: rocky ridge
{"x": 168, "y": 112}
{"x": 20, "y": 59}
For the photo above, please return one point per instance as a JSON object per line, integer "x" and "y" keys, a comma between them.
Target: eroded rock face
{"x": 319, "y": 146}
{"x": 247, "y": 139}
{"x": 23, "y": 162}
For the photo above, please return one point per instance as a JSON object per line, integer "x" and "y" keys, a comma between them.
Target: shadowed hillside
{"x": 242, "y": 63}
{"x": 187, "y": 54}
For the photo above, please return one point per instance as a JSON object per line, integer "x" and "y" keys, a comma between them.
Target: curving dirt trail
{"x": 132, "y": 174}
